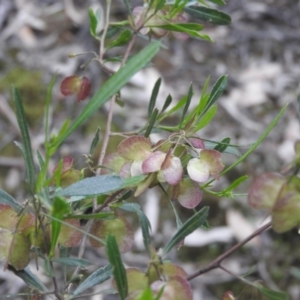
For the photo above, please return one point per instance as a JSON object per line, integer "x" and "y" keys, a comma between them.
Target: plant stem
{"x": 217, "y": 262}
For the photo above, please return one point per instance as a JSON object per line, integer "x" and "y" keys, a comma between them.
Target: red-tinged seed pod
{"x": 81, "y": 86}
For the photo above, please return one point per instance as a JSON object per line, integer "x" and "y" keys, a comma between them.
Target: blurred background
{"x": 259, "y": 52}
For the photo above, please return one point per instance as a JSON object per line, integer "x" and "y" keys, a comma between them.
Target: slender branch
{"x": 217, "y": 262}
{"x": 108, "y": 200}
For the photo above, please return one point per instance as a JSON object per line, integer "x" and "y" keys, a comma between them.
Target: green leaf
{"x": 60, "y": 207}
{"x": 178, "y": 105}
{"x": 95, "y": 278}
{"x": 187, "y": 104}
{"x": 221, "y": 147}
{"x": 48, "y": 269}
{"x": 147, "y": 295}
{"x": 188, "y": 227}
{"x": 152, "y": 121}
{"x": 272, "y": 295}
{"x": 47, "y": 106}
{"x": 115, "y": 260}
{"x": 234, "y": 185}
{"x": 93, "y": 186}
{"x": 84, "y": 232}
{"x": 206, "y": 119}
{"x": 94, "y": 21}
{"x": 181, "y": 27}
{"x": 132, "y": 181}
{"x": 208, "y": 14}
{"x": 255, "y": 145}
{"x": 178, "y": 221}
{"x": 111, "y": 87}
{"x": 190, "y": 28}
{"x": 231, "y": 149}
{"x": 26, "y": 148}
{"x": 216, "y": 92}
{"x": 9, "y": 200}
{"x": 63, "y": 130}
{"x": 157, "y": 4}
{"x": 204, "y": 97}
{"x": 41, "y": 160}
{"x": 219, "y": 2}
{"x": 103, "y": 215}
{"x": 123, "y": 39}
{"x": 29, "y": 278}
{"x": 73, "y": 261}
{"x": 177, "y": 7}
{"x": 167, "y": 103}
{"x": 153, "y": 97}
{"x": 144, "y": 221}
{"x": 129, "y": 9}
{"x": 95, "y": 141}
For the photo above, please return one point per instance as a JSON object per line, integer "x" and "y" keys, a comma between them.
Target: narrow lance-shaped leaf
{"x": 216, "y": 92}
{"x": 93, "y": 22}
{"x": 73, "y": 261}
{"x": 206, "y": 119}
{"x": 219, "y": 2}
{"x": 177, "y": 7}
{"x": 208, "y": 14}
{"x": 93, "y": 186}
{"x": 95, "y": 278}
{"x": 159, "y": 4}
{"x": 272, "y": 295}
{"x": 101, "y": 215}
{"x": 132, "y": 181}
{"x": 8, "y": 199}
{"x": 115, "y": 260}
{"x": 145, "y": 224}
{"x": 255, "y": 145}
{"x": 47, "y": 267}
{"x": 47, "y": 106}
{"x": 60, "y": 207}
{"x": 26, "y": 148}
{"x": 95, "y": 141}
{"x": 223, "y": 145}
{"x": 235, "y": 184}
{"x": 111, "y": 87}
{"x": 178, "y": 221}
{"x": 178, "y": 105}
{"x": 187, "y": 104}
{"x": 188, "y": 227}
{"x": 189, "y": 28}
{"x": 167, "y": 103}
{"x": 29, "y": 278}
{"x": 129, "y": 9}
{"x": 153, "y": 97}
{"x": 181, "y": 27}
{"x": 121, "y": 40}
{"x": 76, "y": 228}
{"x": 152, "y": 121}
{"x": 204, "y": 97}
{"x": 40, "y": 159}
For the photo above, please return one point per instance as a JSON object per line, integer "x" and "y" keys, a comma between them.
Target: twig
{"x": 108, "y": 200}
{"x": 217, "y": 262}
